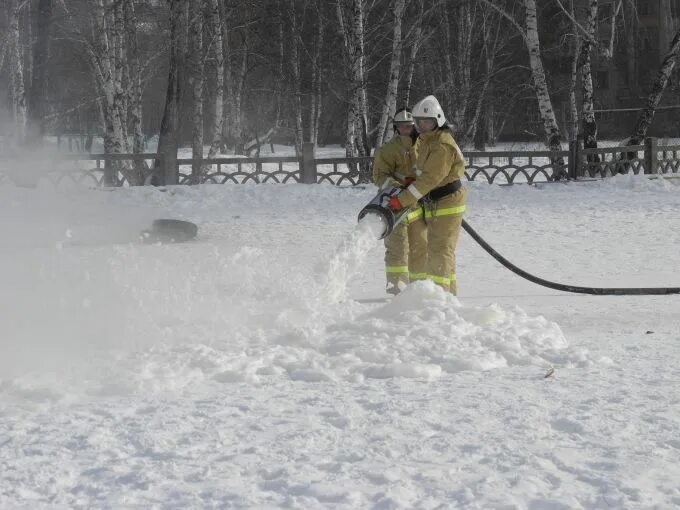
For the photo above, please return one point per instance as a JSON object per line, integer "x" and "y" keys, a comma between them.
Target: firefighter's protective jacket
{"x": 395, "y": 160}
{"x": 439, "y": 161}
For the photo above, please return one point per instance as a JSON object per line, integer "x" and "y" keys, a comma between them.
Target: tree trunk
{"x": 168, "y": 140}
{"x": 551, "y": 129}
{"x": 646, "y": 116}
{"x": 37, "y": 111}
{"x": 134, "y": 86}
{"x": 631, "y": 32}
{"x": 356, "y": 132}
{"x": 490, "y": 124}
{"x": 218, "y": 117}
{"x": 349, "y": 128}
{"x": 107, "y": 64}
{"x": 464, "y": 29}
{"x": 16, "y": 63}
{"x": 415, "y": 46}
{"x": 572, "y": 127}
{"x": 389, "y": 107}
{"x": 236, "y": 125}
{"x": 228, "y": 108}
{"x": 196, "y": 84}
{"x": 358, "y": 110}
{"x": 294, "y": 66}
{"x": 280, "y": 81}
{"x": 315, "y": 107}
{"x": 588, "y": 110}
{"x": 490, "y": 44}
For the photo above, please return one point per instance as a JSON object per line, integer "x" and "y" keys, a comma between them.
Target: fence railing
{"x": 499, "y": 167}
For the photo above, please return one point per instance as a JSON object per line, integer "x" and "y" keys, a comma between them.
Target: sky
{"x": 255, "y": 367}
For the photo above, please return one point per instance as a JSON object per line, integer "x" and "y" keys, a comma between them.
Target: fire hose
{"x": 599, "y": 291}
{"x": 389, "y": 219}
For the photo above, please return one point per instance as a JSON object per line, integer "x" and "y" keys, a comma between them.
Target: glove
{"x": 408, "y": 180}
{"x": 394, "y": 203}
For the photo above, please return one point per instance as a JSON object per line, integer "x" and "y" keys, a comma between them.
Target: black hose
{"x": 567, "y": 288}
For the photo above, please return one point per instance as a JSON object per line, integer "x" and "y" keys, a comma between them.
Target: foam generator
{"x": 378, "y": 207}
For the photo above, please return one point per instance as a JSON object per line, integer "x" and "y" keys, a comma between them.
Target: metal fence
{"x": 500, "y": 167}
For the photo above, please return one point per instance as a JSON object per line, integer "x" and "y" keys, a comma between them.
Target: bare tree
{"x": 168, "y": 141}
{"x": 646, "y": 115}
{"x": 573, "y": 126}
{"x": 415, "y": 45}
{"x": 352, "y": 26}
{"x": 196, "y": 65}
{"x": 552, "y": 130}
{"x": 214, "y": 22}
{"x": 133, "y": 72}
{"x": 493, "y": 40}
{"x": 588, "y": 110}
{"x": 294, "y": 66}
{"x": 38, "y": 95}
{"x": 17, "y": 72}
{"x": 317, "y": 76}
{"x": 456, "y": 56}
{"x": 389, "y": 105}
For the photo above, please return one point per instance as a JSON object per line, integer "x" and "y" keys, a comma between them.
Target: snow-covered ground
{"x": 240, "y": 371}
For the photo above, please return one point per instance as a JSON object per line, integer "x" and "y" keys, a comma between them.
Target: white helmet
{"x": 429, "y": 108}
{"x": 403, "y": 115}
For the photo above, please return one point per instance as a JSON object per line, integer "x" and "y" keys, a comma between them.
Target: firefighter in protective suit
{"x": 438, "y": 189}
{"x": 405, "y": 247}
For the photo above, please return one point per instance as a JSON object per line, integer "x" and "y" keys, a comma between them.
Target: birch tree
{"x": 456, "y": 57}
{"x": 389, "y": 105}
{"x": 352, "y": 26}
{"x": 214, "y": 22}
{"x": 3, "y": 48}
{"x": 196, "y": 65}
{"x": 415, "y": 45}
{"x": 168, "y": 140}
{"x": 235, "y": 72}
{"x": 316, "y": 99}
{"x": 646, "y": 115}
{"x": 133, "y": 72}
{"x": 545, "y": 107}
{"x": 573, "y": 126}
{"x": 38, "y": 96}
{"x": 16, "y": 63}
{"x": 588, "y": 110}
{"x": 294, "y": 66}
{"x": 493, "y": 40}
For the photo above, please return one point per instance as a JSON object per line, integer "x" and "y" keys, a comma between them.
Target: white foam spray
{"x": 350, "y": 257}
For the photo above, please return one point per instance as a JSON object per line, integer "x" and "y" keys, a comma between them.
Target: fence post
{"x": 110, "y": 170}
{"x": 573, "y": 163}
{"x": 308, "y": 164}
{"x": 169, "y": 171}
{"x": 651, "y": 155}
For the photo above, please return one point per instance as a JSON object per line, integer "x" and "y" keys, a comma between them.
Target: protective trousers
{"x": 444, "y": 218}
{"x": 406, "y": 252}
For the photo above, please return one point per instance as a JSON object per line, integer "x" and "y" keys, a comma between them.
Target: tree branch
{"x": 509, "y": 17}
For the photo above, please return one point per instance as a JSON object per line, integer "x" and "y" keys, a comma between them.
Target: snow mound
{"x": 639, "y": 182}
{"x": 425, "y": 331}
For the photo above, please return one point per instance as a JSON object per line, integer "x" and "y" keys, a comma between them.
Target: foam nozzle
{"x": 380, "y": 215}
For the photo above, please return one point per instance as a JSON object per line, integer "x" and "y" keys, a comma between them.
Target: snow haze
{"x": 252, "y": 368}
